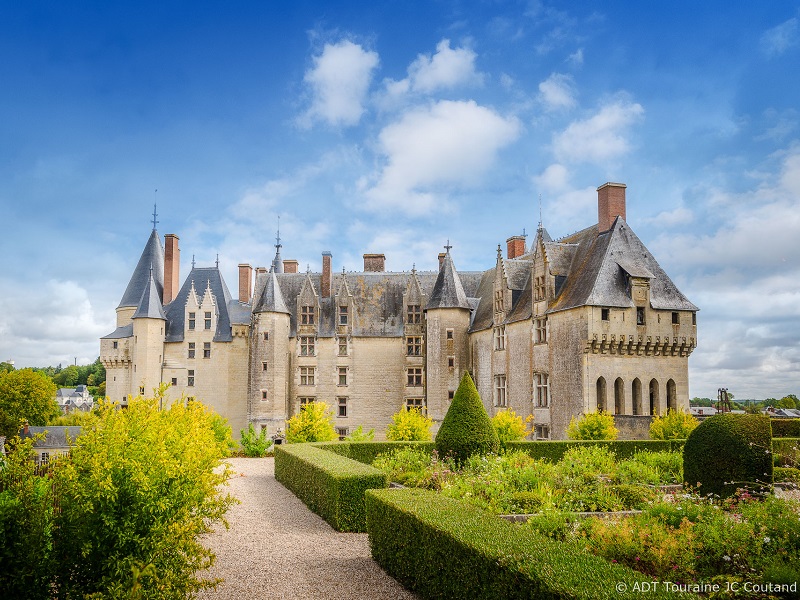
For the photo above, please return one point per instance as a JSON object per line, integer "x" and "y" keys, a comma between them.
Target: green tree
{"x": 592, "y": 426}
{"x": 25, "y": 395}
{"x": 466, "y": 428}
{"x": 675, "y": 425}
{"x": 68, "y": 377}
{"x": 409, "y": 426}
{"x": 789, "y": 401}
{"x": 314, "y": 423}
{"x": 510, "y": 427}
{"x": 6, "y": 367}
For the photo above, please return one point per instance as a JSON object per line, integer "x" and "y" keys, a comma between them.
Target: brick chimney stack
{"x": 245, "y": 283}
{"x": 516, "y": 246}
{"x": 172, "y": 267}
{"x": 441, "y": 259}
{"x": 325, "y": 280}
{"x": 374, "y": 263}
{"x": 290, "y": 266}
{"x": 610, "y": 204}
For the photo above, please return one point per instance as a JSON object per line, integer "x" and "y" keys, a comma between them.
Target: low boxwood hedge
{"x": 786, "y": 475}
{"x": 553, "y": 451}
{"x": 365, "y": 452}
{"x": 785, "y": 428}
{"x": 331, "y": 485}
{"x": 443, "y": 548}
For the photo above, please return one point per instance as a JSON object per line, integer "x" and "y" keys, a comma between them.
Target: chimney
{"x": 260, "y": 271}
{"x": 245, "y": 283}
{"x": 441, "y": 259}
{"x": 325, "y": 279}
{"x": 516, "y": 246}
{"x": 610, "y": 205}
{"x": 374, "y": 263}
{"x": 25, "y": 429}
{"x": 172, "y": 267}
{"x": 290, "y": 266}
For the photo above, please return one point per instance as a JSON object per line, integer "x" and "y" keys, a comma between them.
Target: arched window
{"x": 636, "y": 393}
{"x": 619, "y": 396}
{"x": 653, "y": 396}
{"x": 672, "y": 396}
{"x": 601, "y": 394}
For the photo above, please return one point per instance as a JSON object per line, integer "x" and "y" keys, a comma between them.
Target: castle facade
{"x": 563, "y": 327}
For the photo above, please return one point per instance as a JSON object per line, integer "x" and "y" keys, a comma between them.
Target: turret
{"x": 150, "y": 262}
{"x": 148, "y": 339}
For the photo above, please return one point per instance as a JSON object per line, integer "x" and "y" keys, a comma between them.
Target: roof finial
{"x": 342, "y": 269}
{"x": 448, "y": 246}
{"x": 540, "y": 211}
{"x": 499, "y": 251}
{"x": 278, "y": 238}
{"x": 155, "y": 213}
{"x": 413, "y": 268}
{"x": 193, "y": 261}
{"x": 218, "y": 260}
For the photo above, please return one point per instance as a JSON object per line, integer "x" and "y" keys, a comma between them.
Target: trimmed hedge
{"x": 442, "y": 548}
{"x": 787, "y": 474}
{"x": 366, "y": 452}
{"x": 786, "y": 452}
{"x": 554, "y": 451}
{"x": 726, "y": 452}
{"x": 785, "y": 428}
{"x": 331, "y": 485}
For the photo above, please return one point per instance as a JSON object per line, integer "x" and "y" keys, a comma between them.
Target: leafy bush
{"x": 254, "y": 444}
{"x": 726, "y": 452}
{"x": 25, "y": 395}
{"x": 787, "y": 475}
{"x": 786, "y": 452}
{"x": 314, "y": 423}
{"x": 466, "y": 428}
{"x": 409, "y": 426}
{"x": 510, "y": 427}
{"x": 675, "y": 425}
{"x": 592, "y": 426}
{"x": 442, "y": 548}
{"x": 331, "y": 485}
{"x": 358, "y": 435}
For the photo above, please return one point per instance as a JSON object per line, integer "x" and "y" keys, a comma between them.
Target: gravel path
{"x": 277, "y": 548}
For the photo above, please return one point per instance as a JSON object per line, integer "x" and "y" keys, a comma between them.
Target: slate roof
{"x": 119, "y": 333}
{"x": 152, "y": 257}
{"x": 55, "y": 436}
{"x": 448, "y": 292}
{"x": 150, "y": 303}
{"x": 270, "y": 299}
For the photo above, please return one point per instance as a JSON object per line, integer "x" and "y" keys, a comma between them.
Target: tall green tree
{"x": 25, "y": 395}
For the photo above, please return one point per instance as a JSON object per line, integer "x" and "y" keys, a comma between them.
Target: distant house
{"x": 56, "y": 440}
{"x": 785, "y": 413}
{"x": 69, "y": 399}
{"x": 703, "y": 411}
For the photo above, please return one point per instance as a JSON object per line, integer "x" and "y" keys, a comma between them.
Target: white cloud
{"x": 557, "y": 92}
{"x": 779, "y": 39}
{"x": 554, "y": 178}
{"x": 678, "y": 216}
{"x": 433, "y": 149}
{"x": 447, "y": 68}
{"x": 339, "y": 81}
{"x": 576, "y": 58}
{"x": 601, "y": 137}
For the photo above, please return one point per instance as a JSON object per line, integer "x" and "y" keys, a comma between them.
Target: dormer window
{"x": 306, "y": 315}
{"x": 414, "y": 313}
{"x": 498, "y": 301}
{"x": 539, "y": 288}
{"x": 343, "y": 315}
{"x": 208, "y": 320}
{"x": 191, "y": 321}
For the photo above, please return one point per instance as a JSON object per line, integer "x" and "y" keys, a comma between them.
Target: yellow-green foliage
{"x": 25, "y": 395}
{"x": 466, "y": 428}
{"x": 675, "y": 425}
{"x": 314, "y": 423}
{"x": 592, "y": 426}
{"x": 510, "y": 427}
{"x": 409, "y": 426}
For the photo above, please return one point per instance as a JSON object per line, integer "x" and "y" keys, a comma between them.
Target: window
{"x": 305, "y": 400}
{"x": 206, "y": 349}
{"x": 414, "y": 377}
{"x": 266, "y": 336}
{"x": 341, "y": 406}
{"x": 190, "y": 381}
{"x": 676, "y": 318}
{"x": 499, "y": 390}
{"x": 640, "y": 315}
{"x": 451, "y": 362}
{"x": 541, "y": 330}
{"x": 414, "y": 313}
{"x": 605, "y": 314}
{"x": 414, "y": 346}
{"x": 342, "y": 315}
{"x": 263, "y": 394}
{"x": 306, "y": 315}
{"x": 342, "y": 346}
{"x": 191, "y": 350}
{"x": 541, "y": 382}
{"x": 306, "y": 345}
{"x": 191, "y": 320}
{"x": 264, "y": 365}
{"x": 342, "y": 376}
{"x": 449, "y": 334}
{"x": 500, "y": 337}
{"x": 415, "y": 404}
{"x": 542, "y": 432}
{"x": 263, "y": 427}
{"x": 498, "y": 301}
{"x": 451, "y": 394}
{"x": 174, "y": 381}
{"x": 694, "y": 318}
{"x": 539, "y": 289}
{"x": 306, "y": 375}
{"x": 342, "y": 432}
{"x": 141, "y": 390}
{"x": 115, "y": 345}
{"x": 45, "y": 458}
{"x": 208, "y": 320}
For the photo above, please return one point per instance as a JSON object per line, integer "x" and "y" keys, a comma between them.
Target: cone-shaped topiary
{"x": 466, "y": 428}
{"x": 727, "y": 452}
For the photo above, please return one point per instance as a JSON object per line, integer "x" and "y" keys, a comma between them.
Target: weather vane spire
{"x": 278, "y": 237}
{"x": 155, "y": 212}
{"x": 448, "y": 246}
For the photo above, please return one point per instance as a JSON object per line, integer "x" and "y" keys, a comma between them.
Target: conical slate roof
{"x": 150, "y": 304}
{"x": 271, "y": 299}
{"x": 448, "y": 291}
{"x": 152, "y": 257}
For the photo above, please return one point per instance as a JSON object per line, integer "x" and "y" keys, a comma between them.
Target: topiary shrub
{"x": 727, "y": 452}
{"x": 592, "y": 426}
{"x": 466, "y": 428}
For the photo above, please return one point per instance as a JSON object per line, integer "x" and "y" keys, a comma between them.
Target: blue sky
{"x": 392, "y": 127}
